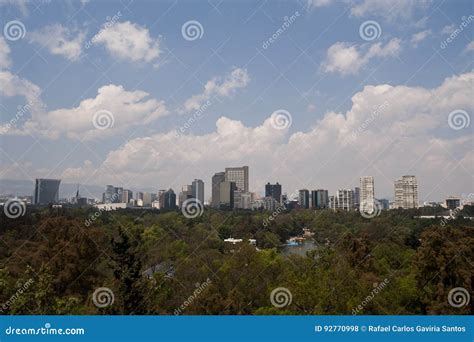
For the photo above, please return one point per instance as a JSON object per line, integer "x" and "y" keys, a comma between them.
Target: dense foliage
{"x": 65, "y": 254}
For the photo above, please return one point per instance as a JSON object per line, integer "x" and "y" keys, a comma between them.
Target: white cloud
{"x": 129, "y": 41}
{"x": 469, "y": 47}
{"x": 319, "y": 3}
{"x": 389, "y": 9}
{"x": 448, "y": 29}
{"x": 237, "y": 79}
{"x": 403, "y": 130}
{"x": 419, "y": 37}
{"x": 21, "y": 4}
{"x": 346, "y": 59}
{"x": 12, "y": 85}
{"x": 5, "y": 61}
{"x": 60, "y": 40}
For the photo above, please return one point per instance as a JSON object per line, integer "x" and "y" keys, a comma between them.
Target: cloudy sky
{"x": 312, "y": 94}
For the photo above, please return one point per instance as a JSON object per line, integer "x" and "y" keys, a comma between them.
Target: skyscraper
{"x": 46, "y": 191}
{"x": 217, "y": 179}
{"x": 274, "y": 191}
{"x": 344, "y": 199}
{"x": 127, "y": 196}
{"x": 367, "y": 194}
{"x": 319, "y": 199}
{"x": 197, "y": 190}
{"x": 169, "y": 199}
{"x": 186, "y": 192}
{"x": 303, "y": 198}
{"x": 226, "y": 195}
{"x": 406, "y": 192}
{"x": 238, "y": 175}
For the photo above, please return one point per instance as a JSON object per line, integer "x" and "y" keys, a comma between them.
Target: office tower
{"x": 226, "y": 195}
{"x": 139, "y": 195}
{"x": 270, "y": 204}
{"x": 217, "y": 179}
{"x": 319, "y": 199}
{"x": 384, "y": 203}
{"x": 367, "y": 194}
{"x": 147, "y": 199}
{"x": 109, "y": 194}
{"x": 169, "y": 198}
{"x": 186, "y": 192}
{"x": 303, "y": 198}
{"x": 345, "y": 199}
{"x": 197, "y": 189}
{"x": 246, "y": 200}
{"x": 161, "y": 198}
{"x": 333, "y": 202}
{"x": 118, "y": 194}
{"x": 127, "y": 195}
{"x": 357, "y": 199}
{"x": 238, "y": 175}
{"x": 273, "y": 190}
{"x": 46, "y": 191}
{"x": 453, "y": 202}
{"x": 406, "y": 192}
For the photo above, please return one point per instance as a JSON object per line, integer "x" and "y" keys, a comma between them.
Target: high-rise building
{"x": 217, "y": 179}
{"x": 453, "y": 202}
{"x": 127, "y": 195}
{"x": 274, "y": 191}
{"x": 406, "y": 192}
{"x": 169, "y": 199}
{"x": 161, "y": 198}
{"x": 345, "y": 199}
{"x": 46, "y": 191}
{"x": 186, "y": 193}
{"x": 357, "y": 199}
{"x": 319, "y": 199}
{"x": 226, "y": 195}
{"x": 197, "y": 190}
{"x": 303, "y": 198}
{"x": 139, "y": 195}
{"x": 117, "y": 198}
{"x": 238, "y": 175}
{"x": 367, "y": 194}
{"x": 147, "y": 199}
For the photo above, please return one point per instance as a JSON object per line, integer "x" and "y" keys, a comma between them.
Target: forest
{"x": 54, "y": 260}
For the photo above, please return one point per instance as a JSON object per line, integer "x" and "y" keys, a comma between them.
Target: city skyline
{"x": 301, "y": 106}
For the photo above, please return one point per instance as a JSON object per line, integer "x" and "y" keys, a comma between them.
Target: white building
{"x": 406, "y": 192}
{"x": 367, "y": 194}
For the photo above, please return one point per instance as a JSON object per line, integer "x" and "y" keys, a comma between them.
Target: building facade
{"x": 274, "y": 191}
{"x": 238, "y": 175}
{"x": 406, "y": 192}
{"x": 226, "y": 195}
{"x": 344, "y": 199}
{"x": 217, "y": 179}
{"x": 197, "y": 190}
{"x": 367, "y": 194}
{"x": 303, "y": 198}
{"x": 46, "y": 191}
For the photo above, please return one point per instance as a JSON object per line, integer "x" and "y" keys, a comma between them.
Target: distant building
{"x": 303, "y": 198}
{"x": 384, "y": 203}
{"x": 319, "y": 199}
{"x": 357, "y": 199}
{"x": 344, "y": 199}
{"x": 112, "y": 206}
{"x": 139, "y": 195}
{"x": 406, "y": 192}
{"x": 217, "y": 179}
{"x": 186, "y": 193}
{"x": 453, "y": 202}
{"x": 197, "y": 189}
{"x": 147, "y": 199}
{"x": 367, "y": 194}
{"x": 46, "y": 191}
{"x": 169, "y": 199}
{"x": 270, "y": 203}
{"x": 127, "y": 196}
{"x": 161, "y": 198}
{"x": 238, "y": 175}
{"x": 274, "y": 191}
{"x": 226, "y": 195}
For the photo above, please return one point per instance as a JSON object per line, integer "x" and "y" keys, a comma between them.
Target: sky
{"x": 310, "y": 94}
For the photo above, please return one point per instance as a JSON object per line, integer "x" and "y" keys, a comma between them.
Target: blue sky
{"x": 312, "y": 70}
